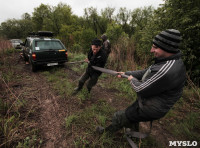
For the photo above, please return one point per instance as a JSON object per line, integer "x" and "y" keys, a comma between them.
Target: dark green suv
{"x": 41, "y": 49}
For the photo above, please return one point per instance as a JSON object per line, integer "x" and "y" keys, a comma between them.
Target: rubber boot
{"x": 77, "y": 89}
{"x": 109, "y": 129}
{"x": 100, "y": 129}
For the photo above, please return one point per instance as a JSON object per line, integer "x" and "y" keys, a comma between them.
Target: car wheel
{"x": 34, "y": 67}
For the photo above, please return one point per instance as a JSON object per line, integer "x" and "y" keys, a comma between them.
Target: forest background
{"x": 130, "y": 31}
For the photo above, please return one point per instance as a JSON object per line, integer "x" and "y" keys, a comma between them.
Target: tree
{"x": 123, "y": 18}
{"x": 105, "y": 19}
{"x": 140, "y": 17}
{"x": 11, "y": 29}
{"x": 61, "y": 15}
{"x": 26, "y": 16}
{"x": 87, "y": 36}
{"x": 184, "y": 16}
{"x": 91, "y": 17}
{"x": 41, "y": 14}
{"x": 107, "y": 13}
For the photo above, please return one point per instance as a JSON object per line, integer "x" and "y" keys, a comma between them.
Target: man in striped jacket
{"x": 158, "y": 87}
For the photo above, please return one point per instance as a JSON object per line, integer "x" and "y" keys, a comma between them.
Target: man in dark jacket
{"x": 96, "y": 57}
{"x": 106, "y": 44}
{"x": 158, "y": 87}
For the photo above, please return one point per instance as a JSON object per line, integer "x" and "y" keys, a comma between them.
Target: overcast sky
{"x": 10, "y": 9}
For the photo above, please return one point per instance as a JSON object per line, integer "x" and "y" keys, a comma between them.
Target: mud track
{"x": 49, "y": 110}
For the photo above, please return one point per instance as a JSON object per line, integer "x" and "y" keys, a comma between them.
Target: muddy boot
{"x": 89, "y": 89}
{"x": 77, "y": 89}
{"x": 100, "y": 130}
{"x": 111, "y": 129}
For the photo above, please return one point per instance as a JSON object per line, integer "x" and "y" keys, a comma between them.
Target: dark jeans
{"x": 119, "y": 121}
{"x": 92, "y": 80}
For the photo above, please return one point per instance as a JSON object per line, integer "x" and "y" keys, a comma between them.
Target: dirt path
{"x": 50, "y": 110}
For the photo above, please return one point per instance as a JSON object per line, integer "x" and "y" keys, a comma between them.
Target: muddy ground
{"x": 47, "y": 111}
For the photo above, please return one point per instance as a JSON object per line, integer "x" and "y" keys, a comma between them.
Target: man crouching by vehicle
{"x": 96, "y": 57}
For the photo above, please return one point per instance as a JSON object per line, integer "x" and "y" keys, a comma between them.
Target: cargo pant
{"x": 119, "y": 121}
{"x": 91, "y": 82}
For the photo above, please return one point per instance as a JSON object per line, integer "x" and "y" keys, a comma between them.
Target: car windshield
{"x": 45, "y": 44}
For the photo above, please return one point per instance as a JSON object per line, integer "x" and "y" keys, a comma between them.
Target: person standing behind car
{"x": 106, "y": 44}
{"x": 96, "y": 57}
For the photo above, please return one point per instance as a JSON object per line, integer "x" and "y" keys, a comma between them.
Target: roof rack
{"x": 45, "y": 33}
{"x": 41, "y": 34}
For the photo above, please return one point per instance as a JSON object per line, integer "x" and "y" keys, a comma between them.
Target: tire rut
{"x": 50, "y": 110}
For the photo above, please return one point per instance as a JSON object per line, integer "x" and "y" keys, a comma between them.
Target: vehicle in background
{"x": 16, "y": 43}
{"x": 41, "y": 49}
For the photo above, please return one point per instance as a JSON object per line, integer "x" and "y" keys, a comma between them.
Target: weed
{"x": 60, "y": 82}
{"x": 69, "y": 120}
{"x": 90, "y": 116}
{"x": 85, "y": 122}
{"x": 188, "y": 128}
{"x": 30, "y": 142}
{"x": 84, "y": 95}
{"x": 79, "y": 68}
{"x": 76, "y": 57}
{"x": 8, "y": 76}
{"x": 124, "y": 88}
{"x": 101, "y": 119}
{"x": 150, "y": 142}
{"x": 81, "y": 142}
{"x": 9, "y": 128}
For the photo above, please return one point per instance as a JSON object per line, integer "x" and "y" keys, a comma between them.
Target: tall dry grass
{"x": 4, "y": 45}
{"x": 122, "y": 53}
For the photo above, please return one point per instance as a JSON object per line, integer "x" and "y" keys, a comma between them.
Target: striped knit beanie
{"x": 168, "y": 40}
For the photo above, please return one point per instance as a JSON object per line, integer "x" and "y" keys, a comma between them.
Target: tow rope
{"x": 133, "y": 134}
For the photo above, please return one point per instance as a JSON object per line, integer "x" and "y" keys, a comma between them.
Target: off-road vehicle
{"x": 42, "y": 49}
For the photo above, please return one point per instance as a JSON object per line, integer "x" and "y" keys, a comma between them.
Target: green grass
{"x": 83, "y": 95}
{"x": 91, "y": 116}
{"x": 13, "y": 108}
{"x": 76, "y": 57}
{"x": 188, "y": 128}
{"x": 183, "y": 120}
{"x": 85, "y": 121}
{"x": 124, "y": 87}
{"x": 30, "y": 141}
{"x": 60, "y": 81}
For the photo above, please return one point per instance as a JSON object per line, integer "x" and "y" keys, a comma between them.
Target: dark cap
{"x": 168, "y": 40}
{"x": 96, "y": 42}
{"x": 104, "y": 37}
